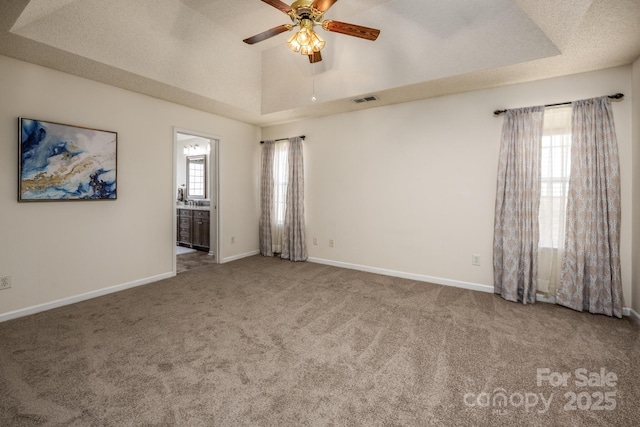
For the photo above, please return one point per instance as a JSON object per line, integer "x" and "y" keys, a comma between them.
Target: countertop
{"x": 194, "y": 208}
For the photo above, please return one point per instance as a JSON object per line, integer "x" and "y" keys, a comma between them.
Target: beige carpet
{"x": 268, "y": 342}
{"x": 193, "y": 260}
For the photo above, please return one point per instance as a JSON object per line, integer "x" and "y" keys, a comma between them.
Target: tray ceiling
{"x": 191, "y": 51}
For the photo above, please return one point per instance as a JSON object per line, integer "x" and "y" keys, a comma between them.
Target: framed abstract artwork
{"x": 63, "y": 162}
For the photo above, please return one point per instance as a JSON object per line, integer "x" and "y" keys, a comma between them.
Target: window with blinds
{"x": 280, "y": 180}
{"x": 554, "y": 175}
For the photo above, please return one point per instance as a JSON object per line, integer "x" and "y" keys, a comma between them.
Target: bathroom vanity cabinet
{"x": 193, "y": 228}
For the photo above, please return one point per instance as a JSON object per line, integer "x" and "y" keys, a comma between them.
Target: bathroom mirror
{"x": 196, "y": 177}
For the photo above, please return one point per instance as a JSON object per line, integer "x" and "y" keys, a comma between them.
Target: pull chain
{"x": 313, "y": 82}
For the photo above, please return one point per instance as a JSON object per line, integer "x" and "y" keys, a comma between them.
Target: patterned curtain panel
{"x": 294, "y": 246}
{"x": 590, "y": 278}
{"x": 516, "y": 229}
{"x": 266, "y": 197}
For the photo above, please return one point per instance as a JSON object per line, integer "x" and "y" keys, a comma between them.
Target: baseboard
{"x": 237, "y": 257}
{"x": 405, "y": 275}
{"x": 635, "y": 316}
{"x": 542, "y": 298}
{"x": 626, "y": 311}
{"x": 82, "y": 297}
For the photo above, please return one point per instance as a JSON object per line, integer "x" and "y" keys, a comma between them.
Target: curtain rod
{"x": 615, "y": 96}
{"x": 284, "y": 139}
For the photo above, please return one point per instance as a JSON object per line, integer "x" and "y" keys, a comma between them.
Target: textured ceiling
{"x": 191, "y": 51}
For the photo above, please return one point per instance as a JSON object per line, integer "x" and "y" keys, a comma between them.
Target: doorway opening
{"x": 195, "y": 194}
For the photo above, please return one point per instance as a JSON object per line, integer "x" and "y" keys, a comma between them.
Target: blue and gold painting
{"x": 62, "y": 162}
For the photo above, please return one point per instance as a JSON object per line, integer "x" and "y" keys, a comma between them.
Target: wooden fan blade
{"x": 267, "y": 34}
{"x": 315, "y": 57}
{"x": 351, "y": 30}
{"x": 283, "y": 7}
{"x": 323, "y": 5}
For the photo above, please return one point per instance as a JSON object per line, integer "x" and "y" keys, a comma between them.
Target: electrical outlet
{"x": 233, "y": 240}
{"x": 5, "y": 282}
{"x": 330, "y": 243}
{"x": 315, "y": 241}
{"x": 475, "y": 259}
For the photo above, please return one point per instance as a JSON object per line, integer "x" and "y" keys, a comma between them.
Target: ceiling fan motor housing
{"x": 303, "y": 9}
{"x": 301, "y": 4}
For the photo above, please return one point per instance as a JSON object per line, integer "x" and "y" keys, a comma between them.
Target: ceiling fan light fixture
{"x": 306, "y": 41}
{"x": 316, "y": 42}
{"x": 306, "y": 50}
{"x": 293, "y": 44}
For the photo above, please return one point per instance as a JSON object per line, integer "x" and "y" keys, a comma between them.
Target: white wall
{"x": 411, "y": 187}
{"x": 636, "y": 185}
{"x": 58, "y": 250}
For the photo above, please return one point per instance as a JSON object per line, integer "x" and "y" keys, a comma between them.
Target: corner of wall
{"x": 635, "y": 123}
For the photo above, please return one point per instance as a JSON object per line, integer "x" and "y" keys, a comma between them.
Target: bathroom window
{"x": 196, "y": 177}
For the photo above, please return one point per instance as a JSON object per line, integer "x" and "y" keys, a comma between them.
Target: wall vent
{"x": 365, "y": 99}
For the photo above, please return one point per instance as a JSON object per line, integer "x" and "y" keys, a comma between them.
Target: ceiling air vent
{"x": 365, "y": 99}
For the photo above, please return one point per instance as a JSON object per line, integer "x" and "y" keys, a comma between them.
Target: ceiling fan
{"x": 306, "y": 14}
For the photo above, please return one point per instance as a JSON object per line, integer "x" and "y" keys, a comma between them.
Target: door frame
{"x": 214, "y": 185}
